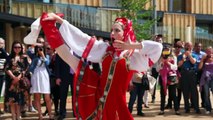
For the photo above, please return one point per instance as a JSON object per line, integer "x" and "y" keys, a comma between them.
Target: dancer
{"x": 106, "y": 93}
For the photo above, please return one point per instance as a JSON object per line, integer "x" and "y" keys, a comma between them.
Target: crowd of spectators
{"x": 36, "y": 70}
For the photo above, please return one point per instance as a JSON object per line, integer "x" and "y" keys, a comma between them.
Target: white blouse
{"x": 76, "y": 40}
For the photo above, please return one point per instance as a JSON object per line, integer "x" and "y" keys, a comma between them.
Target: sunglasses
{"x": 178, "y": 46}
{"x": 17, "y": 47}
{"x": 48, "y": 48}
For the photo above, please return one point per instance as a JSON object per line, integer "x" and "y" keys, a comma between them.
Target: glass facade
{"x": 110, "y": 3}
{"x": 43, "y": 1}
{"x": 177, "y": 5}
{"x": 204, "y": 31}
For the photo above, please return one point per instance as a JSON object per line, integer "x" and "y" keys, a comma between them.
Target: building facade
{"x": 187, "y": 20}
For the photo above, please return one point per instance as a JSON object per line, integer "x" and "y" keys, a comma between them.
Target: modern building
{"x": 188, "y": 20}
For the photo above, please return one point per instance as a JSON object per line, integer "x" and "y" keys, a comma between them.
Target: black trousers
{"x": 172, "y": 95}
{"x": 189, "y": 89}
{"x": 64, "y": 88}
{"x": 199, "y": 73}
{"x": 137, "y": 92}
{"x": 179, "y": 95}
{"x": 55, "y": 96}
{"x": 155, "y": 75}
{"x": 2, "y": 78}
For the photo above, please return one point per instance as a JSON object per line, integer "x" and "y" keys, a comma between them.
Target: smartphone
{"x": 40, "y": 49}
{"x": 208, "y": 56}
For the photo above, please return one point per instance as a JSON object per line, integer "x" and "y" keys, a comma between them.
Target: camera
{"x": 166, "y": 52}
{"x": 40, "y": 49}
{"x": 208, "y": 56}
{"x": 165, "y": 56}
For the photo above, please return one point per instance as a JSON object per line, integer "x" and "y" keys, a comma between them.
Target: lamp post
{"x": 154, "y": 17}
{"x": 188, "y": 33}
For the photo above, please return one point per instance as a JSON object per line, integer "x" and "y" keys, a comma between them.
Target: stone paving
{"x": 150, "y": 113}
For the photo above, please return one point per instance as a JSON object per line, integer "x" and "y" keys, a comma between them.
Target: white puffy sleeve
{"x": 77, "y": 41}
{"x": 144, "y": 58}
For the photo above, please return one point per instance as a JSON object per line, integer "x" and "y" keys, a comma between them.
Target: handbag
{"x": 145, "y": 82}
{"x": 24, "y": 83}
{"x": 172, "y": 79}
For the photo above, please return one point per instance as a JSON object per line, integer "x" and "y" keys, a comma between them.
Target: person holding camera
{"x": 168, "y": 77}
{"x": 40, "y": 79}
{"x": 206, "y": 81}
{"x": 186, "y": 62}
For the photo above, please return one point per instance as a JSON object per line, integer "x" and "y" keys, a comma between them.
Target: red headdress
{"x": 128, "y": 30}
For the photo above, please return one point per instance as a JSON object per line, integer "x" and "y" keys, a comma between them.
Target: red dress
{"x": 104, "y": 97}
{"x": 99, "y": 96}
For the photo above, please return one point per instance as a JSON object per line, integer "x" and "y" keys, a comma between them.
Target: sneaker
{"x": 45, "y": 113}
{"x": 187, "y": 111}
{"x": 146, "y": 106}
{"x": 203, "y": 105}
{"x": 198, "y": 112}
{"x": 19, "y": 118}
{"x": 61, "y": 117}
{"x": 24, "y": 114}
{"x": 208, "y": 112}
{"x": 177, "y": 113}
{"x": 56, "y": 113}
{"x": 161, "y": 113}
{"x": 153, "y": 101}
{"x": 31, "y": 109}
{"x": 1, "y": 112}
{"x": 140, "y": 114}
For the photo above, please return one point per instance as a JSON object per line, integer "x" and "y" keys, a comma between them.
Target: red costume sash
{"x": 88, "y": 88}
{"x": 103, "y": 97}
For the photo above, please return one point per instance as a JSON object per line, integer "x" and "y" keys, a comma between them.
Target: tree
{"x": 141, "y": 17}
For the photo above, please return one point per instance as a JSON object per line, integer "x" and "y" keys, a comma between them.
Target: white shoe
{"x": 32, "y": 109}
{"x": 208, "y": 112}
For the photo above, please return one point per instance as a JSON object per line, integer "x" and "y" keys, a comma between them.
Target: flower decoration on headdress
{"x": 127, "y": 27}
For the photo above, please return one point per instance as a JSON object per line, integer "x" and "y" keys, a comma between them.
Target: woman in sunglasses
{"x": 15, "y": 69}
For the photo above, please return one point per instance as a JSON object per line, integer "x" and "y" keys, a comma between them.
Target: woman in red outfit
{"x": 101, "y": 96}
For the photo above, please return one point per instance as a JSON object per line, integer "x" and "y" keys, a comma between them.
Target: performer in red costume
{"x": 99, "y": 96}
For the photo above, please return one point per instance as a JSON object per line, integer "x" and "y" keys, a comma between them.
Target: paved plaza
{"x": 150, "y": 113}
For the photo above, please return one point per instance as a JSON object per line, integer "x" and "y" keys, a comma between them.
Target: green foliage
{"x": 141, "y": 18}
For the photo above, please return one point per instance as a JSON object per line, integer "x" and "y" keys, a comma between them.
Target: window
{"x": 177, "y": 5}
{"x": 203, "y": 29}
{"x": 110, "y": 3}
{"x": 44, "y": 1}
{"x": 204, "y": 32}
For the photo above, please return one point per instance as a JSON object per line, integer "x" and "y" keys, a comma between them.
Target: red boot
{"x": 52, "y": 33}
